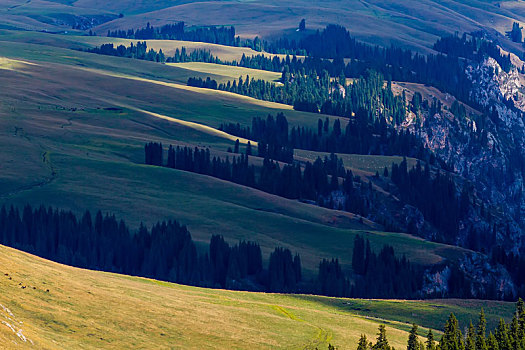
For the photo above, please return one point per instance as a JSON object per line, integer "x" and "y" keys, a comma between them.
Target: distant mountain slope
{"x": 411, "y": 23}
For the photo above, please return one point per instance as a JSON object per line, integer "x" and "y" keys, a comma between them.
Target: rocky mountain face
{"x": 487, "y": 152}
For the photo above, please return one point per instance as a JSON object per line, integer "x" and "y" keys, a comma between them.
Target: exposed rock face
{"x": 485, "y": 279}
{"x": 483, "y": 275}
{"x": 487, "y": 151}
{"x": 435, "y": 284}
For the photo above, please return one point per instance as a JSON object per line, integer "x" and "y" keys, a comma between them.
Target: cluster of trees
{"x": 178, "y": 31}
{"x": 312, "y": 93}
{"x": 197, "y": 55}
{"x": 361, "y": 135}
{"x": 203, "y": 83}
{"x": 271, "y": 135}
{"x": 446, "y": 208}
{"x": 375, "y": 275}
{"x": 506, "y": 336}
{"x": 473, "y": 46}
{"x": 515, "y": 34}
{"x": 379, "y": 275}
{"x": 324, "y": 182}
{"x": 166, "y": 251}
{"x": 445, "y": 72}
{"x": 138, "y": 51}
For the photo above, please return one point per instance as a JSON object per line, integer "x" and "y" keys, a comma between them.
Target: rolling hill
{"x": 76, "y": 119}
{"x": 73, "y": 129}
{"x": 50, "y": 306}
{"x": 415, "y": 24}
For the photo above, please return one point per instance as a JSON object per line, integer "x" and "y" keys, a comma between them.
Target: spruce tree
{"x": 492, "y": 343}
{"x": 430, "y": 343}
{"x": 502, "y": 336}
{"x": 236, "y": 149}
{"x": 520, "y": 312}
{"x": 481, "y": 332}
{"x": 382, "y": 341}
{"x": 363, "y": 343}
{"x": 413, "y": 343}
{"x": 452, "y": 338}
{"x": 470, "y": 343}
{"x": 514, "y": 332}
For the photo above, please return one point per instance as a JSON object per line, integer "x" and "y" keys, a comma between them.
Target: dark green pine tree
{"x": 481, "y": 332}
{"x": 520, "y": 312}
{"x": 492, "y": 342}
{"x": 514, "y": 332}
{"x": 452, "y": 338}
{"x": 382, "y": 341}
{"x": 302, "y": 25}
{"x": 363, "y": 343}
{"x": 236, "y": 149}
{"x": 413, "y": 342}
{"x": 430, "y": 343}
{"x": 470, "y": 343}
{"x": 502, "y": 336}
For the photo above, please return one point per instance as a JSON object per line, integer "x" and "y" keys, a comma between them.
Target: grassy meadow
{"x": 53, "y": 306}
{"x": 228, "y": 73}
{"x": 74, "y": 124}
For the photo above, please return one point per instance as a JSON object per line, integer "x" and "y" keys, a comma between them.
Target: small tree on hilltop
{"x": 302, "y": 25}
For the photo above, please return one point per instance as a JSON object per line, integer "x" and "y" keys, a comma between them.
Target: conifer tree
{"x": 430, "y": 343}
{"x": 452, "y": 338}
{"x": 236, "y": 148}
{"x": 470, "y": 343}
{"x": 502, "y": 336}
{"x": 481, "y": 332}
{"x": 363, "y": 343}
{"x": 492, "y": 343}
{"x": 413, "y": 343}
{"x": 514, "y": 332}
{"x": 382, "y": 341}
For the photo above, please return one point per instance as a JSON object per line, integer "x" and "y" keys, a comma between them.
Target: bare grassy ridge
{"x": 412, "y": 23}
{"x": 54, "y": 306}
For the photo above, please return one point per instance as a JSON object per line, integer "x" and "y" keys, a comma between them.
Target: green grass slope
{"x": 73, "y": 138}
{"x": 46, "y": 305}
